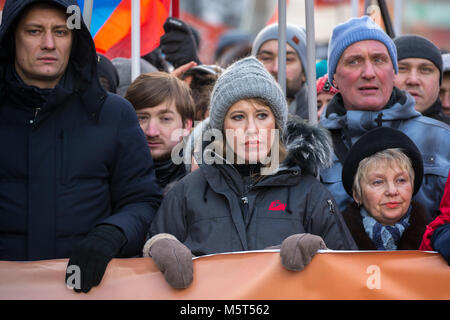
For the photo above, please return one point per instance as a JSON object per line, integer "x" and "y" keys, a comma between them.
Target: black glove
{"x": 93, "y": 254}
{"x": 178, "y": 43}
{"x": 156, "y": 59}
{"x": 440, "y": 241}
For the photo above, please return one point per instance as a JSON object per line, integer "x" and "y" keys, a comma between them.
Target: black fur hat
{"x": 377, "y": 140}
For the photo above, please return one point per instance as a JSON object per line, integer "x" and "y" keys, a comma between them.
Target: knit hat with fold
{"x": 415, "y": 46}
{"x": 355, "y": 30}
{"x": 295, "y": 37}
{"x": 246, "y": 79}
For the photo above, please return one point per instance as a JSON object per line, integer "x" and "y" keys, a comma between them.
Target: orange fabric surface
{"x": 254, "y": 275}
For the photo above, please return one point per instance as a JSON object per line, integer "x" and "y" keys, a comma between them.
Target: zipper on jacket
{"x": 36, "y": 111}
{"x": 245, "y": 208}
{"x": 331, "y": 206}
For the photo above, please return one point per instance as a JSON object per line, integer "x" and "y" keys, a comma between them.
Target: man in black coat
{"x": 76, "y": 177}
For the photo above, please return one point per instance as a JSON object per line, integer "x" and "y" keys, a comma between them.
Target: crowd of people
{"x": 192, "y": 159}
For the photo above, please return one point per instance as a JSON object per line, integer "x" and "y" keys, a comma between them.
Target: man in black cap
{"x": 420, "y": 73}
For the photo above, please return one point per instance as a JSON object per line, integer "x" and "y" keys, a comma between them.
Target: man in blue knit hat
{"x": 265, "y": 49}
{"x": 362, "y": 63}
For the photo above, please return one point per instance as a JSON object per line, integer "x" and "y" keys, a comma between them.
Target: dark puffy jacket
{"x": 72, "y": 157}
{"x": 214, "y": 209}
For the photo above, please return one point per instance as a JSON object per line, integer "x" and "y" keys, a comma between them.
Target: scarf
{"x": 384, "y": 237}
{"x": 166, "y": 172}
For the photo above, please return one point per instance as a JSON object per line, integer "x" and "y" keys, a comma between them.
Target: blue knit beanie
{"x": 355, "y": 30}
{"x": 295, "y": 37}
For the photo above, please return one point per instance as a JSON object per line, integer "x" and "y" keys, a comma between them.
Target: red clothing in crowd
{"x": 441, "y": 219}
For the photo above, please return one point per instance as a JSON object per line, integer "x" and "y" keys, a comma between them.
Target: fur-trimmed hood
{"x": 309, "y": 146}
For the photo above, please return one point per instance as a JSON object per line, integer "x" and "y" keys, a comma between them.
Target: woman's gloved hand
{"x": 297, "y": 250}
{"x": 172, "y": 258}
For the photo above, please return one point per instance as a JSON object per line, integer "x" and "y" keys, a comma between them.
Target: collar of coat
{"x": 410, "y": 240}
{"x": 309, "y": 149}
{"x": 399, "y": 107}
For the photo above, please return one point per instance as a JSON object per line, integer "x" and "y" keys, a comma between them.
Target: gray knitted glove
{"x": 297, "y": 250}
{"x": 172, "y": 258}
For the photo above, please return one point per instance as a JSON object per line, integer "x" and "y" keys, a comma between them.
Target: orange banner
{"x": 246, "y": 276}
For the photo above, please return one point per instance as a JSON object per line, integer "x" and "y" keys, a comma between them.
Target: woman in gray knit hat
{"x": 255, "y": 187}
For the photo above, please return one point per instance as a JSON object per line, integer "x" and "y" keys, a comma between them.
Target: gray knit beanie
{"x": 295, "y": 37}
{"x": 246, "y": 79}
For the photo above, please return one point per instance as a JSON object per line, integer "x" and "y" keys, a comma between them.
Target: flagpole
{"x": 175, "y": 9}
{"x": 87, "y": 12}
{"x": 311, "y": 64}
{"x": 135, "y": 39}
{"x": 282, "y": 44}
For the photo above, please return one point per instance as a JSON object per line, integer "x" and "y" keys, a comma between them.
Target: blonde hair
{"x": 387, "y": 157}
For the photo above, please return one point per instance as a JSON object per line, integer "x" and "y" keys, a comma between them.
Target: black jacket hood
{"x": 83, "y": 58}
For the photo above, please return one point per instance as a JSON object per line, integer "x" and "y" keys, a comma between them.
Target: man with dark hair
{"x": 420, "y": 72}
{"x": 165, "y": 110}
{"x": 76, "y": 177}
{"x": 201, "y": 80}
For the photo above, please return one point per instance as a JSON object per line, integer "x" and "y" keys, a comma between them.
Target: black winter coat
{"x": 72, "y": 157}
{"x": 214, "y": 209}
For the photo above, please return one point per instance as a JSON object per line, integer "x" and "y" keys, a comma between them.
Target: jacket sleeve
{"x": 171, "y": 216}
{"x": 324, "y": 219}
{"x": 135, "y": 193}
{"x": 440, "y": 220}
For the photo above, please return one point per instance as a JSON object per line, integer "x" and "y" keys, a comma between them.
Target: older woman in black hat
{"x": 382, "y": 172}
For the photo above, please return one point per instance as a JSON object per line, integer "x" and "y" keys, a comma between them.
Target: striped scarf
{"x": 384, "y": 237}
